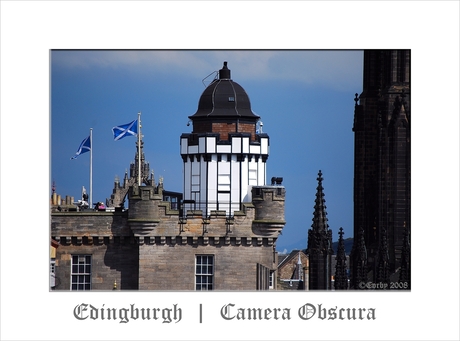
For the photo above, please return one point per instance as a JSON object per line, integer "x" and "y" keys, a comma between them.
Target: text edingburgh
{"x": 85, "y": 311}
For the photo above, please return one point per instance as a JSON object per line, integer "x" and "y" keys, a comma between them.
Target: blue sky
{"x": 305, "y": 99}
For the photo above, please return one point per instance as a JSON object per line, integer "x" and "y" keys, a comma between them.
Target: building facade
{"x": 219, "y": 234}
{"x": 382, "y": 170}
{"x": 293, "y": 271}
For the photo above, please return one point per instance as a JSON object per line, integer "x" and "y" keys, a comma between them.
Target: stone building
{"x": 293, "y": 271}
{"x": 382, "y": 170}
{"x": 219, "y": 234}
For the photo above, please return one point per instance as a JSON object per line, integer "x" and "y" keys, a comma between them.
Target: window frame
{"x": 52, "y": 272}
{"x": 80, "y": 272}
{"x": 204, "y": 272}
{"x": 271, "y": 280}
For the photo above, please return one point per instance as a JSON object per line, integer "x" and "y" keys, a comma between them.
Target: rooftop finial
{"x": 224, "y": 73}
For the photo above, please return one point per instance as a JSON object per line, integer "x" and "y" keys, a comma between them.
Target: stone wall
{"x": 89, "y": 223}
{"x": 172, "y": 267}
{"x": 113, "y": 260}
{"x": 150, "y": 248}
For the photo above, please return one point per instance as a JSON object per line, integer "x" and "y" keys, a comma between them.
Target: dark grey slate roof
{"x": 224, "y": 98}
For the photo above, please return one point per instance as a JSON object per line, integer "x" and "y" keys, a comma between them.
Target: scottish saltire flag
{"x": 125, "y": 130}
{"x": 85, "y": 146}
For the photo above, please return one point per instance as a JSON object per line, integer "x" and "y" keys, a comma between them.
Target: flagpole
{"x": 91, "y": 168}
{"x": 139, "y": 147}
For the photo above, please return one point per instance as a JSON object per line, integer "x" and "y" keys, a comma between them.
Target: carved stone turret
{"x": 143, "y": 213}
{"x": 269, "y": 202}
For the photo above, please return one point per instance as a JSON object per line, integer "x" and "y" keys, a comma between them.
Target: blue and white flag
{"x": 125, "y": 130}
{"x": 85, "y": 146}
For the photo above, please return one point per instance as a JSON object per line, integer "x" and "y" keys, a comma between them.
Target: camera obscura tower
{"x": 224, "y": 156}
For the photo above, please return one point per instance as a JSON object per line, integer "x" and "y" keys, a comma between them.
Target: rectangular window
{"x": 204, "y": 272}
{"x": 271, "y": 280}
{"x": 174, "y": 203}
{"x": 81, "y": 272}
{"x": 52, "y": 272}
{"x": 53, "y": 265}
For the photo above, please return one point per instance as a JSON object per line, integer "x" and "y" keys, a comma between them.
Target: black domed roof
{"x": 224, "y": 98}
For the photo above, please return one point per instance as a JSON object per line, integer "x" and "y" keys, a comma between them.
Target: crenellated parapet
{"x": 257, "y": 224}
{"x": 89, "y": 224}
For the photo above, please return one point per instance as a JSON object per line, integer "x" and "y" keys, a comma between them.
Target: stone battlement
{"x": 149, "y": 216}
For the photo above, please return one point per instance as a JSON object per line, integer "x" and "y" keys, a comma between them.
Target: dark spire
{"x": 341, "y": 278}
{"x": 319, "y": 215}
{"x": 319, "y": 245}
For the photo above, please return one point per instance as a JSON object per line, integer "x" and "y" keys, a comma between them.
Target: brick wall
{"x": 224, "y": 128}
